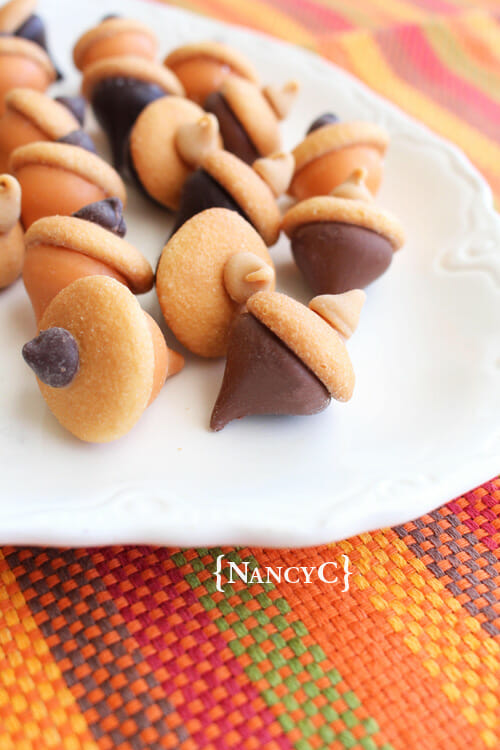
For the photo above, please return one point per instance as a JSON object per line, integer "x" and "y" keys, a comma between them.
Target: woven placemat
{"x": 131, "y": 648}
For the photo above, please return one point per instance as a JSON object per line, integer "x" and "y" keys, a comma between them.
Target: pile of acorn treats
{"x": 200, "y": 135}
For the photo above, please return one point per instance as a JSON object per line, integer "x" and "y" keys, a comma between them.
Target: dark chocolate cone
{"x": 117, "y": 103}
{"x": 33, "y": 29}
{"x": 263, "y": 376}
{"x": 201, "y": 191}
{"x": 234, "y": 136}
{"x": 336, "y": 257}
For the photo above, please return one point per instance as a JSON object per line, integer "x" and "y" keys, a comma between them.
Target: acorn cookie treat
{"x": 223, "y": 180}
{"x": 112, "y": 37}
{"x": 11, "y": 231}
{"x": 286, "y": 359}
{"x": 23, "y": 64}
{"x": 248, "y": 117}
{"x": 206, "y": 272}
{"x": 60, "y": 249}
{"x": 202, "y": 67}
{"x": 32, "y": 116}
{"x": 332, "y": 151}
{"x": 155, "y": 159}
{"x": 100, "y": 360}
{"x": 18, "y": 19}
{"x": 118, "y": 89}
{"x": 61, "y": 178}
{"x": 342, "y": 241}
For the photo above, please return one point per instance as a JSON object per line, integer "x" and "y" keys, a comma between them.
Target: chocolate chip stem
{"x": 53, "y": 356}
{"x": 75, "y": 104}
{"x": 79, "y": 138}
{"x": 107, "y": 213}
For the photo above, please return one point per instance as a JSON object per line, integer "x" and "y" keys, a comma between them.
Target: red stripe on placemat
{"x": 193, "y": 662}
{"x": 411, "y": 56}
{"x": 479, "y": 510}
{"x": 120, "y": 698}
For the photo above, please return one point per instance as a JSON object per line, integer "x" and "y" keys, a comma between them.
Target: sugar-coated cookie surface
{"x": 202, "y": 67}
{"x": 113, "y": 385}
{"x": 154, "y": 154}
{"x": 190, "y": 278}
{"x": 23, "y": 63}
{"x": 61, "y": 178}
{"x": 331, "y": 152}
{"x": 71, "y": 233}
{"x": 112, "y": 37}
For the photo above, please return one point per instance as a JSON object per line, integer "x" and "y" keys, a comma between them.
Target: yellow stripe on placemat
{"x": 486, "y": 28}
{"x": 36, "y": 707}
{"x": 263, "y": 16}
{"x": 446, "y": 44}
{"x": 454, "y": 650}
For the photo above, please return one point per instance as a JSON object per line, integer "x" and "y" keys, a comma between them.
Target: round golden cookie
{"x": 108, "y": 29}
{"x": 130, "y": 66}
{"x": 14, "y": 13}
{"x": 336, "y": 136}
{"x": 249, "y": 191}
{"x": 114, "y": 382}
{"x": 51, "y": 117}
{"x": 74, "y": 159}
{"x": 18, "y": 47}
{"x": 310, "y": 337}
{"x": 360, "y": 213}
{"x": 254, "y": 113}
{"x": 217, "y": 51}
{"x": 190, "y": 278}
{"x": 72, "y": 233}
{"x": 155, "y": 157}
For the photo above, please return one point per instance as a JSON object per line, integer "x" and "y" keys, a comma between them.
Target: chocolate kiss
{"x": 107, "y": 213}
{"x": 263, "y": 376}
{"x": 53, "y": 356}
{"x": 336, "y": 257}
{"x": 234, "y": 136}
{"x": 201, "y": 191}
{"x": 117, "y": 103}
{"x": 328, "y": 118}
{"x": 79, "y": 138}
{"x": 33, "y": 29}
{"x": 75, "y": 104}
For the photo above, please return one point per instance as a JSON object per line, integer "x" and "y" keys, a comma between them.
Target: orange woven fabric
{"x": 131, "y": 648}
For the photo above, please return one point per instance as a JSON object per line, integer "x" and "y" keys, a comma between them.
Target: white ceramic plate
{"x": 422, "y": 427}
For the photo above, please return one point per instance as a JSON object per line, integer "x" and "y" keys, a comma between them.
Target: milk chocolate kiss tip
{"x": 107, "y": 213}
{"x": 53, "y": 356}
{"x": 264, "y": 377}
